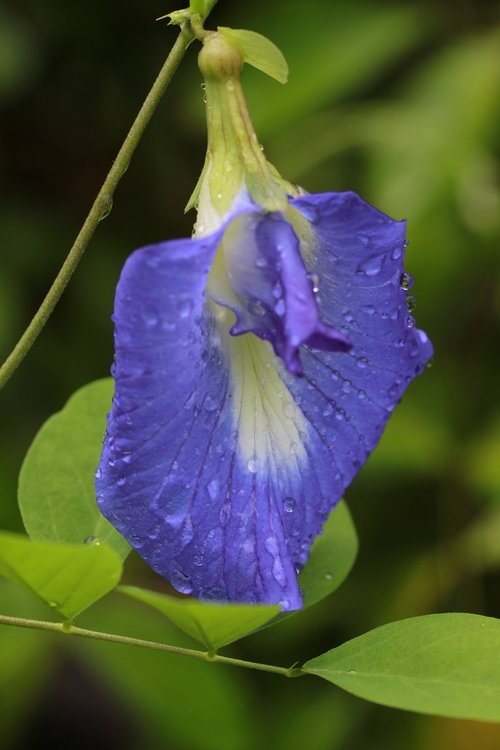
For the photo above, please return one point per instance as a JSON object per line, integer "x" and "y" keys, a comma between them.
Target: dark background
{"x": 399, "y": 101}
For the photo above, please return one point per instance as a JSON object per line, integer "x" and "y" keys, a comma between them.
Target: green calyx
{"x": 235, "y": 161}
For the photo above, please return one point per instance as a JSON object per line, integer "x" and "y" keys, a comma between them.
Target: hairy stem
{"x": 69, "y": 629}
{"x": 100, "y": 208}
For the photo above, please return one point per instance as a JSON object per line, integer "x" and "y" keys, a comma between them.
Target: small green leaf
{"x": 203, "y": 7}
{"x": 259, "y": 51}
{"x": 68, "y": 577}
{"x": 332, "y": 556}
{"x": 214, "y": 625}
{"x": 56, "y": 483}
{"x": 446, "y": 664}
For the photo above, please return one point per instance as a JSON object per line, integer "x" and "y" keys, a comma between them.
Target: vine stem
{"x": 69, "y": 629}
{"x": 101, "y": 206}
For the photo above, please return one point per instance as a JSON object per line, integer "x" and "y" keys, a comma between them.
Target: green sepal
{"x": 213, "y": 625}
{"x": 259, "y": 51}
{"x": 177, "y": 17}
{"x": 68, "y": 577}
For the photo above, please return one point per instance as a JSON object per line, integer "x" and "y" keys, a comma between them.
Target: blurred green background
{"x": 399, "y": 101}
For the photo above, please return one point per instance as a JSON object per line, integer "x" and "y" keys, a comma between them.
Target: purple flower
{"x": 256, "y": 367}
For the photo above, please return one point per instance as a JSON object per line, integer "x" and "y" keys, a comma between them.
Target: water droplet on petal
{"x": 423, "y": 336}
{"x": 185, "y": 307}
{"x": 397, "y": 252}
{"x": 210, "y": 404}
{"x": 368, "y": 309}
{"x": 213, "y": 489}
{"x": 280, "y": 308}
{"x": 406, "y": 281}
{"x": 97, "y": 474}
{"x": 252, "y": 466}
{"x": 289, "y": 504}
{"x": 371, "y": 266}
{"x": 261, "y": 262}
{"x": 256, "y": 307}
{"x": 181, "y": 582}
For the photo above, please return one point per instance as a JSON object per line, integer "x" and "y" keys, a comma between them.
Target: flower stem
{"x": 69, "y": 629}
{"x": 101, "y": 206}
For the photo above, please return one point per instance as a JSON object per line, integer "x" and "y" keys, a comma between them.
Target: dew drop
{"x": 361, "y": 362}
{"x": 252, "y": 466}
{"x": 122, "y": 481}
{"x": 107, "y": 207}
{"x": 314, "y": 279}
{"x": 210, "y": 404}
{"x": 289, "y": 504}
{"x": 411, "y": 302}
{"x": 328, "y": 410}
{"x": 154, "y": 533}
{"x": 423, "y": 337}
{"x": 181, "y": 582}
{"x": 97, "y": 474}
{"x": 149, "y": 316}
{"x": 257, "y": 308}
{"x": 92, "y": 540}
{"x": 261, "y": 262}
{"x": 184, "y": 308}
{"x": 277, "y": 291}
{"x": 280, "y": 308}
{"x": 406, "y": 281}
{"x": 328, "y": 577}
{"x": 213, "y": 489}
{"x": 397, "y": 252}
{"x": 368, "y": 309}
{"x": 372, "y": 266}
{"x": 346, "y": 386}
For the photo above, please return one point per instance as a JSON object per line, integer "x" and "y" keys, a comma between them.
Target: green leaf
{"x": 332, "y": 556}
{"x": 68, "y": 577}
{"x": 56, "y": 483}
{"x": 214, "y": 625}
{"x": 203, "y": 7}
{"x": 446, "y": 664}
{"x": 259, "y": 51}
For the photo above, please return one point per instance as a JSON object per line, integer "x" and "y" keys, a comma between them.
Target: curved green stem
{"x": 69, "y": 629}
{"x": 101, "y": 207}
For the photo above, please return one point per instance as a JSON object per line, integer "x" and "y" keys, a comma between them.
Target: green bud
{"x": 235, "y": 161}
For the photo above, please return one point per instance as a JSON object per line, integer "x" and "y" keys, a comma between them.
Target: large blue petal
{"x": 219, "y": 465}
{"x": 347, "y": 398}
{"x": 171, "y": 476}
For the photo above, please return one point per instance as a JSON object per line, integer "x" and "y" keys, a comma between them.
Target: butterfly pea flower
{"x": 256, "y": 365}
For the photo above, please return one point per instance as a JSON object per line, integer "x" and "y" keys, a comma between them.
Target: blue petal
{"x": 262, "y": 278}
{"x": 171, "y": 478}
{"x": 347, "y": 398}
{"x": 219, "y": 465}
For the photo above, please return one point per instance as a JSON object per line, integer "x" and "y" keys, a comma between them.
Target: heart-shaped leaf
{"x": 56, "y": 483}
{"x": 445, "y": 664}
{"x": 68, "y": 577}
{"x": 214, "y": 625}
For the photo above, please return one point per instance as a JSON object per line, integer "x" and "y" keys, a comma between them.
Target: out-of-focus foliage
{"x": 398, "y": 101}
